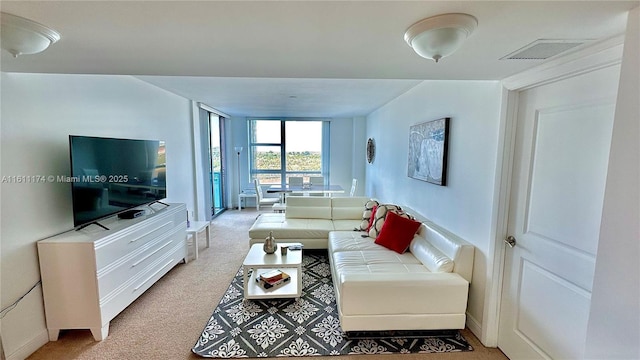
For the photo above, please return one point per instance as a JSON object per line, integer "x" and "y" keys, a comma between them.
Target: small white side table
{"x": 245, "y": 196}
{"x": 196, "y": 227}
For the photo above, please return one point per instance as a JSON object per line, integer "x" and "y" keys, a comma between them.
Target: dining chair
{"x": 354, "y": 186}
{"x": 296, "y": 181}
{"x": 317, "y": 180}
{"x": 261, "y": 200}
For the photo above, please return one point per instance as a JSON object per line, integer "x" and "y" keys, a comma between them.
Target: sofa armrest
{"x": 402, "y": 293}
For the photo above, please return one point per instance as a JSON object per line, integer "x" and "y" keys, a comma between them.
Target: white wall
{"x": 465, "y": 205}
{"x": 237, "y": 135}
{"x": 343, "y": 136}
{"x": 39, "y": 112}
{"x": 614, "y": 323}
{"x": 358, "y": 153}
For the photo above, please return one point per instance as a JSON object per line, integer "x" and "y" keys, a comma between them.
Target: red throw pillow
{"x": 397, "y": 232}
{"x": 373, "y": 216}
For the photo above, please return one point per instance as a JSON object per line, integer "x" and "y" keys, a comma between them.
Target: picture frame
{"x": 428, "y": 151}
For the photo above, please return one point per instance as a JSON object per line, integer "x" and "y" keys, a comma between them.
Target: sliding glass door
{"x": 217, "y": 169}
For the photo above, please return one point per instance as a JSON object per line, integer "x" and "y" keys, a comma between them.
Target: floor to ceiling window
{"x": 282, "y": 148}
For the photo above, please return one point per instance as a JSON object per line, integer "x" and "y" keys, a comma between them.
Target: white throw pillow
{"x": 366, "y": 215}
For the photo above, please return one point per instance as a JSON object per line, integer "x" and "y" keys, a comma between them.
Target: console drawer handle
{"x": 150, "y": 255}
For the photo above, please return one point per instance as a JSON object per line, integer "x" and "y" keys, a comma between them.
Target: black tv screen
{"x": 109, "y": 175}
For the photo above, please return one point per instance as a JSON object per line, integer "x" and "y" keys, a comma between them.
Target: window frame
{"x": 282, "y": 171}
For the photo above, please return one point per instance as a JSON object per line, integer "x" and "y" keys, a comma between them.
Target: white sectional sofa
{"x": 309, "y": 220}
{"x": 424, "y": 288}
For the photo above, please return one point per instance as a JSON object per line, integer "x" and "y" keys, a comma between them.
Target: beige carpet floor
{"x": 166, "y": 321}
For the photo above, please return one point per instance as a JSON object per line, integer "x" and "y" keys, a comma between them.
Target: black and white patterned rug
{"x": 307, "y": 326}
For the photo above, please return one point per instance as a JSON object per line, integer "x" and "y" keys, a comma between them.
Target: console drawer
{"x": 112, "y": 249}
{"x": 118, "y": 300}
{"x": 127, "y": 267}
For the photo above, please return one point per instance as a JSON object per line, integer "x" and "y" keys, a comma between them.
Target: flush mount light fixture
{"x": 22, "y": 36}
{"x": 439, "y": 36}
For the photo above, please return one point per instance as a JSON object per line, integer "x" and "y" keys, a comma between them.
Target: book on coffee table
{"x": 271, "y": 275}
{"x": 273, "y": 278}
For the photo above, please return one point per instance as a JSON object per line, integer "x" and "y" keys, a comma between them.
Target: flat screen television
{"x": 110, "y": 175}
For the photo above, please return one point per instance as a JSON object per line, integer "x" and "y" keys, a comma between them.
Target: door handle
{"x": 510, "y": 240}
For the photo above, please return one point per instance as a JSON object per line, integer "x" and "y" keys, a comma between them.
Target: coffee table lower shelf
{"x": 290, "y": 289}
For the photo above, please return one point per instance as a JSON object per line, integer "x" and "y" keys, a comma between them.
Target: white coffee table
{"x": 258, "y": 262}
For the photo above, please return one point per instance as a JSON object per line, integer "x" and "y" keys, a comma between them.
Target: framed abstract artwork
{"x": 428, "y": 144}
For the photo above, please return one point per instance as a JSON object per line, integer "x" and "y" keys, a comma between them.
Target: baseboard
{"x": 474, "y": 326}
{"x": 30, "y": 347}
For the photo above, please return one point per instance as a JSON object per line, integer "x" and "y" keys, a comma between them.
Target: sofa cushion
{"x": 381, "y": 215}
{"x": 308, "y": 207}
{"x": 347, "y": 208}
{"x": 350, "y": 241}
{"x": 369, "y": 211}
{"x": 375, "y": 261}
{"x": 284, "y": 228}
{"x": 271, "y": 217}
{"x": 346, "y": 225}
{"x": 397, "y": 232}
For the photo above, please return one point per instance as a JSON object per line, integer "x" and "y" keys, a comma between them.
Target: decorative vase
{"x": 270, "y": 245}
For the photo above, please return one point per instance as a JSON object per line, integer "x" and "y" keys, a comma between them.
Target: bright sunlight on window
{"x": 301, "y": 146}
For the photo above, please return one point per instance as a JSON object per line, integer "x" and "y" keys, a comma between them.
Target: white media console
{"x": 89, "y": 276}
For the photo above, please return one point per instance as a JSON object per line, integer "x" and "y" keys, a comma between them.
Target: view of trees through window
{"x": 299, "y": 141}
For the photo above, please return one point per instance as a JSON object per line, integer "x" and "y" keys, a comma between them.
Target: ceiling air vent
{"x": 542, "y": 49}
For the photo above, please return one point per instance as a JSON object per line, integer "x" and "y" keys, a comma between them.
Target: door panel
{"x": 569, "y": 171}
{"x": 550, "y": 304}
{"x": 563, "y": 135}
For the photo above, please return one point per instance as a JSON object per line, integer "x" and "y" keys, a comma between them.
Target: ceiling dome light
{"x": 439, "y": 36}
{"x": 22, "y": 36}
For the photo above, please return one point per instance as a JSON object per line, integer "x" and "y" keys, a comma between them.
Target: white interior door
{"x": 560, "y": 165}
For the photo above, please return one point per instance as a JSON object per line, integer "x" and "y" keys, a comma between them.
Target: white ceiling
{"x": 295, "y": 58}
{"x": 333, "y": 98}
